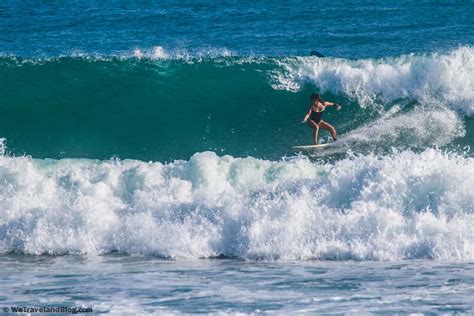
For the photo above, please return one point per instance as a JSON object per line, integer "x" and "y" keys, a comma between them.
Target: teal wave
{"x": 74, "y": 107}
{"x": 166, "y": 109}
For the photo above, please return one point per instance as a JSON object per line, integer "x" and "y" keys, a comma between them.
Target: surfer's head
{"x": 315, "y": 97}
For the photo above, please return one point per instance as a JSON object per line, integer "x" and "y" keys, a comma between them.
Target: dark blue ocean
{"x": 146, "y": 160}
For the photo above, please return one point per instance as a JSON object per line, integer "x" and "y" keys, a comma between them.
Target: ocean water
{"x": 144, "y": 285}
{"x": 146, "y": 162}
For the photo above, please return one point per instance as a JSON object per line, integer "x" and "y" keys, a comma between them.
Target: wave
{"x": 148, "y": 54}
{"x": 443, "y": 79}
{"x": 159, "y": 53}
{"x": 401, "y": 206}
{"x": 159, "y": 106}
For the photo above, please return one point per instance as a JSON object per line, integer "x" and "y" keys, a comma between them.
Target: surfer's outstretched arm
{"x": 307, "y": 115}
{"x": 338, "y": 107}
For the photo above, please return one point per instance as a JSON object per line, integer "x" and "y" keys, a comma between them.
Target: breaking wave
{"x": 392, "y": 207}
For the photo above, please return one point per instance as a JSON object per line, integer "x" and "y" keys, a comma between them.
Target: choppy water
{"x": 354, "y": 29}
{"x": 152, "y": 142}
{"x": 124, "y": 285}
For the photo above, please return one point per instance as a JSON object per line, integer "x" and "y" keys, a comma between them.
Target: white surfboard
{"x": 313, "y": 147}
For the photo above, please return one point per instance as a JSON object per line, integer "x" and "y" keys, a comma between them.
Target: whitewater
{"x": 399, "y": 206}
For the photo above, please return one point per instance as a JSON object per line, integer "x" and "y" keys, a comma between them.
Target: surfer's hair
{"x": 316, "y": 97}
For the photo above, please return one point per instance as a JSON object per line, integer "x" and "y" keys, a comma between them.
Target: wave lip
{"x": 436, "y": 78}
{"x": 158, "y": 52}
{"x": 405, "y": 205}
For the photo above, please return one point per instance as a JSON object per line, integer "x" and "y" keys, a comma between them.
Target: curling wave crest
{"x": 405, "y": 205}
{"x": 446, "y": 79}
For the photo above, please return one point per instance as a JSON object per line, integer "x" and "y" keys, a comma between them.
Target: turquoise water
{"x": 147, "y": 147}
{"x": 163, "y": 109}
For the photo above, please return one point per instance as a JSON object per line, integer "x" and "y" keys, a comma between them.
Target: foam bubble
{"x": 159, "y": 53}
{"x": 3, "y": 146}
{"x": 436, "y": 78}
{"x": 405, "y": 205}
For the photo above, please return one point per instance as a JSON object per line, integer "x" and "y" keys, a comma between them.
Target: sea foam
{"x": 442, "y": 79}
{"x": 420, "y": 127}
{"x": 404, "y": 205}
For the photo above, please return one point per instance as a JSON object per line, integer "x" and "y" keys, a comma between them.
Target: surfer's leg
{"x": 315, "y": 131}
{"x": 330, "y": 128}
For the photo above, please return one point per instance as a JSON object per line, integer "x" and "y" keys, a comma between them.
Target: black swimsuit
{"x": 316, "y": 117}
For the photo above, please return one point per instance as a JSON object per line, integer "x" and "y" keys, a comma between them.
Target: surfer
{"x": 315, "y": 113}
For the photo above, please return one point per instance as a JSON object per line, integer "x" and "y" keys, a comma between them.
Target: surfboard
{"x": 313, "y": 147}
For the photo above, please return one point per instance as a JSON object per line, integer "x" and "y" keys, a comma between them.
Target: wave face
{"x": 392, "y": 207}
{"x": 163, "y": 106}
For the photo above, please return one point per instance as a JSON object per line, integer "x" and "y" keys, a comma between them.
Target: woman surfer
{"x": 315, "y": 113}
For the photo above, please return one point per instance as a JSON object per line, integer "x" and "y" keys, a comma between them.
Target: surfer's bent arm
{"x": 338, "y": 107}
{"x": 307, "y": 115}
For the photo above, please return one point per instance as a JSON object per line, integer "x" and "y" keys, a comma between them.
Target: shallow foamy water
{"x": 123, "y": 284}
